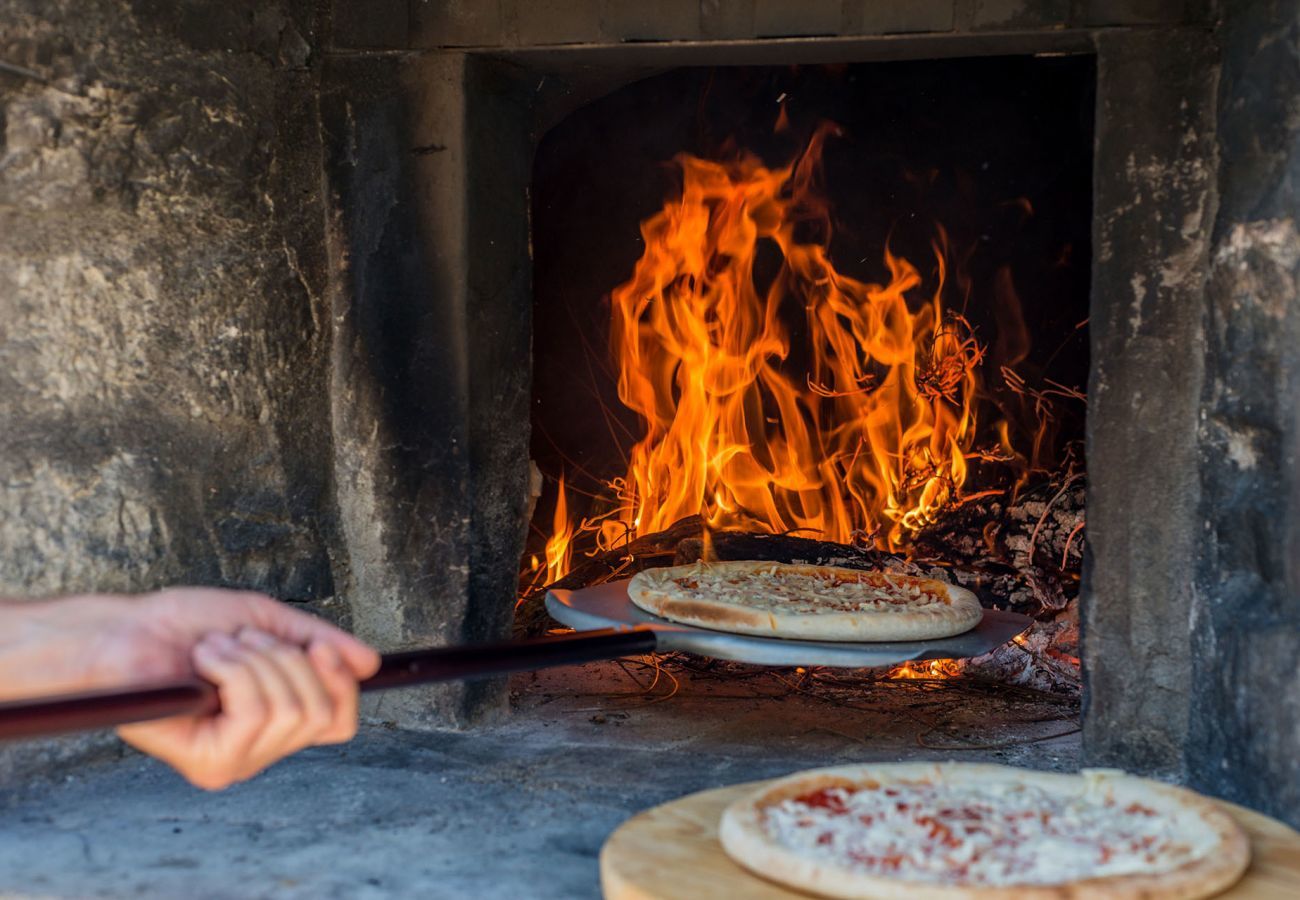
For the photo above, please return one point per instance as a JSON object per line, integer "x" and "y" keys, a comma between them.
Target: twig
{"x": 23, "y": 72}
{"x": 1065, "y": 557}
{"x": 1033, "y": 538}
{"x": 639, "y": 683}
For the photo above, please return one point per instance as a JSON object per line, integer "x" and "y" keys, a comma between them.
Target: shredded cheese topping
{"x": 988, "y": 834}
{"x": 808, "y": 592}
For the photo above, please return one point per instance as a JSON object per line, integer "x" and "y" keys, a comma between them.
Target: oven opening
{"x": 825, "y": 314}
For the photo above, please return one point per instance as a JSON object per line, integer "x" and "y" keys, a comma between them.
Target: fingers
{"x": 183, "y": 614}
{"x": 217, "y": 751}
{"x": 291, "y": 692}
{"x": 311, "y": 699}
{"x": 220, "y": 659}
{"x": 276, "y": 699}
{"x": 304, "y": 630}
{"x": 338, "y": 680}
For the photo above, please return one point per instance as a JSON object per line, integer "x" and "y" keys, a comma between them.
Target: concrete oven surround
{"x": 264, "y": 317}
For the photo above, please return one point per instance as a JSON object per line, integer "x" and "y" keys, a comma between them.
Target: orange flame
{"x": 863, "y": 433}
{"x": 559, "y": 547}
{"x": 926, "y": 670}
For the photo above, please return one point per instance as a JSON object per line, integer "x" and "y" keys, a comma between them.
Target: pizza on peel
{"x": 959, "y": 831}
{"x": 806, "y": 602}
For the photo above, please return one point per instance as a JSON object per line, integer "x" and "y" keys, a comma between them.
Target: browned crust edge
{"x": 745, "y": 842}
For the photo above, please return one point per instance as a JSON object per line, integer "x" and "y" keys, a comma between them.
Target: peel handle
{"x": 484, "y": 660}
{"x": 195, "y": 697}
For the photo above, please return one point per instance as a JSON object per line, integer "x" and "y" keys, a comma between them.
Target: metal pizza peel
{"x": 608, "y": 606}
{"x": 608, "y": 624}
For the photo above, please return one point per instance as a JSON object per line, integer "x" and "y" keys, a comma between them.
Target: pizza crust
{"x": 762, "y": 598}
{"x": 1220, "y": 865}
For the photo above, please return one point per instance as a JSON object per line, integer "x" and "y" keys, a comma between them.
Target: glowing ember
{"x": 927, "y": 669}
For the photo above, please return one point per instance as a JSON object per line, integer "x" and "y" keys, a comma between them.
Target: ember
{"x": 931, "y": 668}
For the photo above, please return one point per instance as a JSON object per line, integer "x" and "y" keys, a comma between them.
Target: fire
{"x": 559, "y": 547}
{"x": 859, "y": 433}
{"x": 926, "y": 670}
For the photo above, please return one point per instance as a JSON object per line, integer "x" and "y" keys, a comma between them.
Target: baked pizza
{"x": 806, "y": 602}
{"x": 977, "y": 832}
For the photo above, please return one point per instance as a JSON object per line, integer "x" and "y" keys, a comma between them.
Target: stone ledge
{"x": 516, "y": 24}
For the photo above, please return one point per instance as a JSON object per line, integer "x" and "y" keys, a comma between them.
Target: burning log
{"x": 786, "y": 548}
{"x": 683, "y": 543}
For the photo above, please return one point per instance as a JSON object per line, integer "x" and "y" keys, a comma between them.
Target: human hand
{"x": 286, "y": 680}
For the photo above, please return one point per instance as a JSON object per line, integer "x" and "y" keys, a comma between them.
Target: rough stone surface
{"x": 869, "y": 17}
{"x": 666, "y": 20}
{"x": 1011, "y": 14}
{"x": 398, "y": 371}
{"x": 1137, "y": 12}
{"x": 514, "y": 811}
{"x": 447, "y": 23}
{"x": 774, "y": 18}
{"x": 162, "y": 330}
{"x": 387, "y": 24}
{"x": 1154, "y": 204}
{"x": 161, "y": 271}
{"x": 1245, "y": 711}
{"x": 727, "y": 19}
{"x": 397, "y": 25}
{"x": 431, "y": 360}
{"x": 562, "y": 23}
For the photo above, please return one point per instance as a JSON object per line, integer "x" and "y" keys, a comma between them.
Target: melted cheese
{"x": 780, "y": 588}
{"x": 988, "y": 834}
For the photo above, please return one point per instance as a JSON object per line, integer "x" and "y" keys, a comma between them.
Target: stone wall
{"x": 163, "y": 333}
{"x": 161, "y": 282}
{"x": 1244, "y": 735}
{"x": 253, "y": 330}
{"x": 221, "y": 365}
{"x": 1195, "y": 673}
{"x": 1153, "y": 208}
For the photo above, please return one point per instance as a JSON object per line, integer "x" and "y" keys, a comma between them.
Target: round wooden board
{"x": 672, "y": 852}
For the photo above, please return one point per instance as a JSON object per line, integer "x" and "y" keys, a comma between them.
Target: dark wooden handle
{"x": 195, "y": 697}
{"x": 483, "y": 660}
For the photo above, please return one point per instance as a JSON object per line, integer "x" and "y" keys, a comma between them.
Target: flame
{"x": 859, "y": 432}
{"x": 559, "y": 547}
{"x": 926, "y": 670}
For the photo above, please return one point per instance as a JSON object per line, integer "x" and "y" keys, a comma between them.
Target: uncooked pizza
{"x": 806, "y": 602}
{"x": 977, "y": 832}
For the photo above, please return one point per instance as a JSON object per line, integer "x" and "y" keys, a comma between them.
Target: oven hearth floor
{"x": 516, "y": 810}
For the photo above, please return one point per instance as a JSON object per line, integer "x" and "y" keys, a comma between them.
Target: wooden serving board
{"x": 672, "y": 852}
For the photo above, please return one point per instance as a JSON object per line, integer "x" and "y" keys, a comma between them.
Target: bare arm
{"x": 287, "y": 680}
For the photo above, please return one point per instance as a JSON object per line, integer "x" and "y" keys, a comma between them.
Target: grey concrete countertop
{"x": 515, "y": 810}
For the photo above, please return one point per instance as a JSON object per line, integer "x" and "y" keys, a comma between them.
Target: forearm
{"x": 56, "y": 646}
